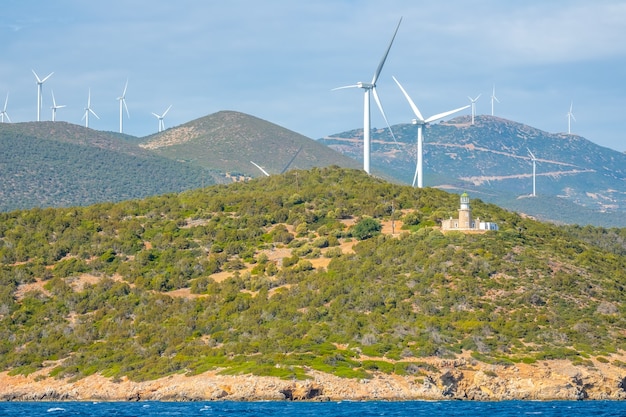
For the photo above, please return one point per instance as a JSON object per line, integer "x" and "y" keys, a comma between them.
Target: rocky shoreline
{"x": 449, "y": 380}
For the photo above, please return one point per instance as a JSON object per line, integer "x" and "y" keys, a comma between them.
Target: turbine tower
{"x": 89, "y": 110}
{"x": 371, "y": 87}
{"x": 473, "y": 101}
{"x": 4, "y": 113}
{"x": 39, "y": 88}
{"x": 161, "y": 117}
{"x": 420, "y": 122}
{"x": 532, "y": 157}
{"x": 493, "y": 98}
{"x": 122, "y": 100}
{"x": 54, "y": 107}
{"x": 570, "y": 117}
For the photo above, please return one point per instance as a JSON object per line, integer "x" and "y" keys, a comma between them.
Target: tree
{"x": 366, "y": 228}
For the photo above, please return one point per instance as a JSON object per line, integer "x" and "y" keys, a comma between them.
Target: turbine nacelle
{"x": 366, "y": 86}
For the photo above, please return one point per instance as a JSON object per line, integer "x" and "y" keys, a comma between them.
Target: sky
{"x": 280, "y": 59}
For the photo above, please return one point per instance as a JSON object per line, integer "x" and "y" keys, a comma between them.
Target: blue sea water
{"x": 306, "y": 409}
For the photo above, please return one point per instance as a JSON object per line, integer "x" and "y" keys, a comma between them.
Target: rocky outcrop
{"x": 444, "y": 380}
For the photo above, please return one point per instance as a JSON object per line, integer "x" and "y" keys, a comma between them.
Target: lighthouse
{"x": 465, "y": 213}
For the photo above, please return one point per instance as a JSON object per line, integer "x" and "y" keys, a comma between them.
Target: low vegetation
{"x": 292, "y": 272}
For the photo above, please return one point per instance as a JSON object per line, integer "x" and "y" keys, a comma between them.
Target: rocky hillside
{"x": 228, "y": 141}
{"x": 490, "y": 159}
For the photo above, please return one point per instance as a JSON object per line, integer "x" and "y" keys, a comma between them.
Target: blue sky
{"x": 278, "y": 60}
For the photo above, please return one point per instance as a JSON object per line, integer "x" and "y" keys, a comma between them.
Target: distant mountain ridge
{"x": 490, "y": 159}
{"x": 230, "y": 140}
{"x": 58, "y": 164}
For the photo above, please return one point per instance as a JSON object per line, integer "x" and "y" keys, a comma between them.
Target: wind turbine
{"x": 39, "y": 88}
{"x": 570, "y": 117}
{"x": 161, "y": 117}
{"x": 532, "y": 157}
{"x": 493, "y": 98}
{"x": 55, "y": 107}
{"x": 122, "y": 100}
{"x": 89, "y": 110}
{"x": 420, "y": 122}
{"x": 473, "y": 101}
{"x": 4, "y": 113}
{"x": 371, "y": 86}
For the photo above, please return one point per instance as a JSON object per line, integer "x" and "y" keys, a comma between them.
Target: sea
{"x": 318, "y": 409}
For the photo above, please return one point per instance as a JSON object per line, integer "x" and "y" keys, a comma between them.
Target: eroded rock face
{"x": 300, "y": 392}
{"x": 453, "y": 380}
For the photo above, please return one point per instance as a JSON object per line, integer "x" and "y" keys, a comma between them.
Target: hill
{"x": 59, "y": 164}
{"x": 291, "y": 276}
{"x": 228, "y": 141}
{"x": 490, "y": 159}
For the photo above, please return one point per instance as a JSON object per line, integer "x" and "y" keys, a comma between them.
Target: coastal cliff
{"x": 457, "y": 379}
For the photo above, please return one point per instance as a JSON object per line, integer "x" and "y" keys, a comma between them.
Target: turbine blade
{"x": 168, "y": 109}
{"x": 156, "y": 115}
{"x": 125, "y": 87}
{"x": 345, "y": 86}
{"x": 382, "y": 111}
{"x": 444, "y": 114}
{"x": 54, "y": 103}
{"x": 36, "y": 76}
{"x": 531, "y": 155}
{"x": 94, "y": 113}
{"x": 414, "y": 176}
{"x": 262, "y": 170}
{"x": 291, "y": 160}
{"x": 382, "y": 61}
{"x": 48, "y": 76}
{"x": 7, "y": 115}
{"x": 126, "y": 107}
{"x": 413, "y": 106}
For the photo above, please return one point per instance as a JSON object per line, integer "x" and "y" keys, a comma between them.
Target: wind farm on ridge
{"x": 369, "y": 90}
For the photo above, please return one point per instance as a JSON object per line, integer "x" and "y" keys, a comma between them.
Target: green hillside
{"x": 58, "y": 164}
{"x": 288, "y": 273}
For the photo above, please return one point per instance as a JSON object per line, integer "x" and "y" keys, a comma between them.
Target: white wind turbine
{"x": 532, "y": 157}
{"x": 39, "y": 88}
{"x": 122, "y": 100}
{"x": 161, "y": 117}
{"x": 89, "y": 110}
{"x": 420, "y": 122}
{"x": 371, "y": 86}
{"x": 473, "y": 101}
{"x": 570, "y": 117}
{"x": 493, "y": 98}
{"x": 4, "y": 113}
{"x": 54, "y": 107}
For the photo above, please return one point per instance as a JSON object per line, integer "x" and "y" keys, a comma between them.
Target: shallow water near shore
{"x": 305, "y": 409}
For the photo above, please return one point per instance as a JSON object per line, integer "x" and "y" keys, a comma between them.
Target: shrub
{"x": 366, "y": 228}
